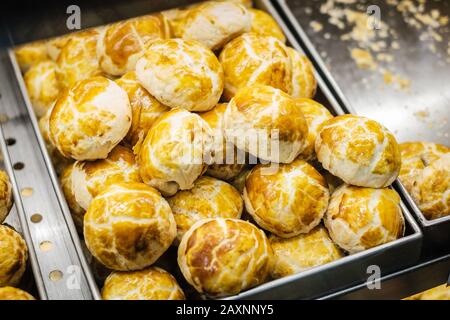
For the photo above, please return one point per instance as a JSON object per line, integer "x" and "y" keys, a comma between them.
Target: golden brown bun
{"x": 128, "y": 226}
{"x": 256, "y": 114}
{"x": 76, "y": 210}
{"x": 222, "y": 257}
{"x": 362, "y": 218}
{"x": 181, "y": 74}
{"x": 13, "y": 256}
{"x": 149, "y": 284}
{"x": 77, "y": 59}
{"x": 121, "y": 44}
{"x": 55, "y": 45}
{"x": 303, "y": 252}
{"x": 89, "y": 178}
{"x": 431, "y": 190}
{"x": 172, "y": 154}
{"x": 252, "y": 59}
{"x": 30, "y": 53}
{"x": 10, "y": 293}
{"x": 214, "y": 23}
{"x": 59, "y": 161}
{"x": 358, "y": 150}
{"x": 209, "y": 198}
{"x": 227, "y": 161}
{"x": 42, "y": 86}
{"x": 90, "y": 119}
{"x": 416, "y": 156}
{"x": 145, "y": 109}
{"x": 441, "y": 292}
{"x": 286, "y": 200}
{"x": 315, "y": 115}
{"x": 304, "y": 84}
{"x": 263, "y": 24}
{"x": 6, "y": 199}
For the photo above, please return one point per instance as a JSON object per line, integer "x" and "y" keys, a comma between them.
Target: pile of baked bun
{"x": 13, "y": 249}
{"x": 139, "y": 116}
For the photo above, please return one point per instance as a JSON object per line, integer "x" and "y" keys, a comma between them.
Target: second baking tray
{"x": 345, "y": 272}
{"x": 418, "y": 109}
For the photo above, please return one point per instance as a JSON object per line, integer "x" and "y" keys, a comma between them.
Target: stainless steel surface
{"x": 42, "y": 198}
{"x": 417, "y": 113}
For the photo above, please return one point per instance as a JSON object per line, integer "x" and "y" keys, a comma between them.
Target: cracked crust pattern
{"x": 287, "y": 200}
{"x": 361, "y": 218}
{"x": 121, "y": 44}
{"x": 221, "y": 257}
{"x": 209, "y": 198}
{"x": 173, "y": 152}
{"x": 89, "y": 178}
{"x": 302, "y": 252}
{"x": 90, "y": 119}
{"x": 252, "y": 59}
{"x": 359, "y": 151}
{"x": 181, "y": 74}
{"x": 128, "y": 226}
{"x": 149, "y": 284}
{"x": 13, "y": 256}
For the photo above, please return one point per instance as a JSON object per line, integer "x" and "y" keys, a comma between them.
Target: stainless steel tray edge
{"x": 18, "y": 208}
{"x": 86, "y": 283}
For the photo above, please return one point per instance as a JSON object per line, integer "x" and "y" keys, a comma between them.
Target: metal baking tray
{"x": 337, "y": 275}
{"x": 417, "y": 113}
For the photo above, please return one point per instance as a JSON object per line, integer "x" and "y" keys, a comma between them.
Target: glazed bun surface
{"x": 89, "y": 178}
{"x": 6, "y": 196}
{"x": 263, "y": 24}
{"x": 361, "y": 218}
{"x": 359, "y": 151}
{"x": 181, "y": 74}
{"x": 304, "y": 84}
{"x": 30, "y": 53}
{"x": 227, "y": 161}
{"x": 315, "y": 115}
{"x": 302, "y": 252}
{"x": 121, "y": 44}
{"x": 222, "y": 257}
{"x": 149, "y": 284}
{"x": 173, "y": 153}
{"x": 267, "y": 123}
{"x": 90, "y": 119}
{"x": 416, "y": 156}
{"x": 13, "y": 256}
{"x": 431, "y": 190}
{"x": 286, "y": 200}
{"x": 128, "y": 226}
{"x": 42, "y": 86}
{"x": 77, "y": 59}
{"x": 209, "y": 198}
{"x": 215, "y": 23}
{"x": 11, "y": 293}
{"x": 145, "y": 108}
